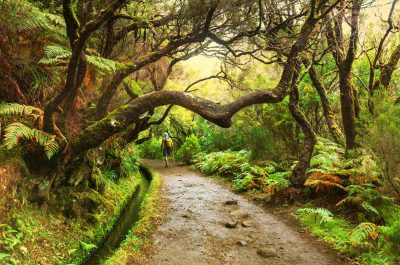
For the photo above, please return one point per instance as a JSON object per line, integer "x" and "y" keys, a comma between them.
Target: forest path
{"x": 194, "y": 230}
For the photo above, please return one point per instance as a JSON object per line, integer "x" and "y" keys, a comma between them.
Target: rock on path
{"x": 206, "y": 223}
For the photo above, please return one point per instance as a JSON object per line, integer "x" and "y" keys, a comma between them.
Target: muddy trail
{"x": 206, "y": 223}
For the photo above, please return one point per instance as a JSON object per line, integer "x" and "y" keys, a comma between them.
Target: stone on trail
{"x": 267, "y": 252}
{"x": 239, "y": 214}
{"x": 246, "y": 223}
{"x": 231, "y": 224}
{"x": 241, "y": 243}
{"x": 231, "y": 202}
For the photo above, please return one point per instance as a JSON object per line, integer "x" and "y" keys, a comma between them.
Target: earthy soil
{"x": 206, "y": 223}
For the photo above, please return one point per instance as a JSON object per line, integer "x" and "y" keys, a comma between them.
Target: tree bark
{"x": 348, "y": 95}
{"x": 387, "y": 71}
{"x": 330, "y": 120}
{"x": 299, "y": 172}
{"x": 347, "y": 108}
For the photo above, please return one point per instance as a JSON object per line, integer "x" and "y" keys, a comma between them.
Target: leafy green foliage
{"x": 322, "y": 223}
{"x": 224, "y": 163}
{"x": 236, "y": 166}
{"x": 332, "y": 170}
{"x": 17, "y": 131}
{"x": 9, "y": 238}
{"x": 383, "y": 137}
{"x": 150, "y": 149}
{"x": 370, "y": 243}
{"x": 13, "y": 109}
{"x": 369, "y": 200}
{"x": 320, "y": 215}
{"x": 189, "y": 149}
{"x": 391, "y": 238}
{"x": 87, "y": 247}
{"x": 23, "y": 15}
{"x": 103, "y": 64}
{"x": 129, "y": 160}
{"x": 55, "y": 54}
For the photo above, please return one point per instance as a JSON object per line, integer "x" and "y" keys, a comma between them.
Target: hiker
{"x": 167, "y": 145}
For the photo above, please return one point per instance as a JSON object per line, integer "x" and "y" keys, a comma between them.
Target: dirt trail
{"x": 195, "y": 232}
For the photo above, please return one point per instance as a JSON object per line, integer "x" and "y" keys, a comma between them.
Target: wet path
{"x": 205, "y": 223}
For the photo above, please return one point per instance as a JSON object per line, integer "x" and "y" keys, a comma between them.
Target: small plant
{"x": 9, "y": 237}
{"x": 320, "y": 215}
{"x": 363, "y": 232}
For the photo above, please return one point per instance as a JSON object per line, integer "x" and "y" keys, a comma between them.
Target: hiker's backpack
{"x": 169, "y": 143}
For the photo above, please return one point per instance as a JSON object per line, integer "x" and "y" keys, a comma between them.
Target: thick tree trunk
{"x": 333, "y": 126}
{"x": 347, "y": 107}
{"x": 298, "y": 175}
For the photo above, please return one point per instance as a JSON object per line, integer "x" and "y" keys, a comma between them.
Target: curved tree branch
{"x": 119, "y": 119}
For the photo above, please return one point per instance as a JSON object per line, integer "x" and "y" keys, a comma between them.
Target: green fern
{"x": 56, "y": 54}
{"x": 16, "y": 131}
{"x": 12, "y": 109}
{"x": 369, "y": 208}
{"x": 320, "y": 215}
{"x": 24, "y": 16}
{"x": 363, "y": 232}
{"x": 103, "y": 64}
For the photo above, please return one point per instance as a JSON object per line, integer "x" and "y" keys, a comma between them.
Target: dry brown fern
{"x": 324, "y": 182}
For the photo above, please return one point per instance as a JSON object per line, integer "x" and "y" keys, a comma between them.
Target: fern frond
{"x": 55, "y": 54}
{"x": 17, "y": 131}
{"x": 10, "y": 109}
{"x": 320, "y": 215}
{"x": 24, "y": 16}
{"x": 103, "y": 64}
{"x": 323, "y": 182}
{"x": 362, "y": 232}
{"x": 369, "y": 208}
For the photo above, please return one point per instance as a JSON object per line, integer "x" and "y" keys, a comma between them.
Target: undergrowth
{"x": 366, "y": 242}
{"x": 34, "y": 235}
{"x": 236, "y": 166}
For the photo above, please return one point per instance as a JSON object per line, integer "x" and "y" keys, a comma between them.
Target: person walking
{"x": 167, "y": 145}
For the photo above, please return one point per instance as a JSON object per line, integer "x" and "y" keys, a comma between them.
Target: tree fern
{"x": 362, "y": 232}
{"x": 103, "y": 64}
{"x": 56, "y": 54}
{"x": 17, "y": 131}
{"x": 24, "y": 16}
{"x": 11, "y": 109}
